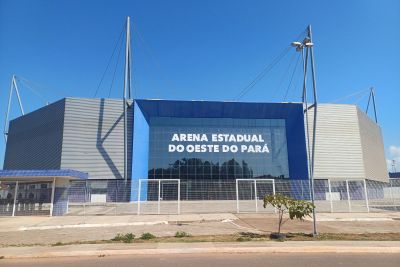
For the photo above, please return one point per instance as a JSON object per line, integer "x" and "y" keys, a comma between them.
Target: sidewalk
{"x": 8, "y": 224}
{"x": 206, "y": 247}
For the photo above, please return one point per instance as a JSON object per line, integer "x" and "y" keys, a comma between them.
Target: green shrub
{"x": 126, "y": 238}
{"x": 180, "y": 234}
{"x": 147, "y": 236}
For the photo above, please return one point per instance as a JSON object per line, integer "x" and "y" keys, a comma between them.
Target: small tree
{"x": 297, "y": 209}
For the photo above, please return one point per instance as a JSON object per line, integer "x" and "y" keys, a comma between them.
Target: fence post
{"x": 15, "y": 198}
{"x": 348, "y": 194}
{"x": 366, "y": 194}
{"x": 302, "y": 189}
{"x": 53, "y": 187}
{"x": 330, "y": 194}
{"x": 390, "y": 190}
{"x": 116, "y": 199}
{"x": 237, "y": 197}
{"x": 273, "y": 191}
{"x": 179, "y": 196}
{"x": 255, "y": 195}
{"x": 159, "y": 196}
{"x": 138, "y": 200}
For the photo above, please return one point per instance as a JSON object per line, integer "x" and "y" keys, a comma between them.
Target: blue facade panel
{"x": 43, "y": 173}
{"x": 145, "y": 110}
{"x": 140, "y": 153}
{"x": 291, "y": 112}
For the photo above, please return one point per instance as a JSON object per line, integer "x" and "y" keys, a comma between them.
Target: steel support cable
{"x": 58, "y": 92}
{"x": 109, "y": 61}
{"x": 149, "y": 52}
{"x": 286, "y": 72}
{"x": 351, "y": 95}
{"x": 27, "y": 85}
{"x": 263, "y": 73}
{"x": 115, "y": 70}
{"x": 267, "y": 69}
{"x": 291, "y": 78}
{"x": 360, "y": 98}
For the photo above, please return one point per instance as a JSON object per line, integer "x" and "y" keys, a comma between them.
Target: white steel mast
{"x": 12, "y": 88}
{"x": 127, "y": 90}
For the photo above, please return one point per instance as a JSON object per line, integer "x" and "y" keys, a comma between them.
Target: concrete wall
{"x": 74, "y": 133}
{"x": 93, "y": 137}
{"x": 373, "y": 149}
{"x": 348, "y": 144}
{"x": 35, "y": 140}
{"x": 338, "y": 152}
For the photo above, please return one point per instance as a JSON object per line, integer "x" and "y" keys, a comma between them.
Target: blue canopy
{"x": 15, "y": 174}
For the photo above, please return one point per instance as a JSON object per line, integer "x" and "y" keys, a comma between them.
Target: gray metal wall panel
{"x": 373, "y": 148}
{"x": 94, "y": 137}
{"x": 35, "y": 140}
{"x": 338, "y": 152}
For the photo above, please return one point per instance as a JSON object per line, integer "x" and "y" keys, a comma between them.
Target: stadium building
{"x": 81, "y": 150}
{"x": 201, "y": 143}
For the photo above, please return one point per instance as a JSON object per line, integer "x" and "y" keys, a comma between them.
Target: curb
{"x": 231, "y": 250}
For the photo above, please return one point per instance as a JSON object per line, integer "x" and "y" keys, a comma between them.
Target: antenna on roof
{"x": 127, "y": 90}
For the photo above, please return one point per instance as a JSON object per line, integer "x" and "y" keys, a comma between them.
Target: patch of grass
{"x": 126, "y": 238}
{"x": 251, "y": 235}
{"x": 181, "y": 234}
{"x": 243, "y": 239}
{"x": 147, "y": 236}
{"x": 239, "y": 237}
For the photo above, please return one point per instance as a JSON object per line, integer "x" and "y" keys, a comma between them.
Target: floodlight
{"x": 296, "y": 44}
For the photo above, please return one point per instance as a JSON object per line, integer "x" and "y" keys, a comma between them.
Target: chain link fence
{"x": 25, "y": 199}
{"x": 174, "y": 196}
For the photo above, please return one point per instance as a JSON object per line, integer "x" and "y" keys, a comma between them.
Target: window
{"x": 236, "y": 155}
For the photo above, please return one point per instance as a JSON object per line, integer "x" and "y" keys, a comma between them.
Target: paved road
{"x": 220, "y": 260}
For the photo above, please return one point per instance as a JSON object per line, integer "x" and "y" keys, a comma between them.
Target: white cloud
{"x": 394, "y": 151}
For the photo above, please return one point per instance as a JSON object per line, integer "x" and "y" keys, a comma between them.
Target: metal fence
{"x": 25, "y": 199}
{"x": 174, "y": 196}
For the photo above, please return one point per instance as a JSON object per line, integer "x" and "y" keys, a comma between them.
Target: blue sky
{"x": 206, "y": 50}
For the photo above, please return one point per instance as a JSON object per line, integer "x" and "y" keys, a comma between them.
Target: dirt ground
{"x": 237, "y": 223}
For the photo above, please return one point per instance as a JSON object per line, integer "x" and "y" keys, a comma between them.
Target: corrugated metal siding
{"x": 338, "y": 152}
{"x": 373, "y": 148}
{"x": 35, "y": 140}
{"x": 94, "y": 137}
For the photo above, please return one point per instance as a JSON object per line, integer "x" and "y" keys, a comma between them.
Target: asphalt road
{"x": 220, "y": 260}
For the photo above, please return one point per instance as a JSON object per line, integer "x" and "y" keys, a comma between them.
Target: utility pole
{"x": 127, "y": 90}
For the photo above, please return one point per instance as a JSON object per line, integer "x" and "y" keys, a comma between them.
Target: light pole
{"x": 308, "y": 45}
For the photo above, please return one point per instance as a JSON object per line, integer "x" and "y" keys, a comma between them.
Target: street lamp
{"x": 308, "y": 45}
